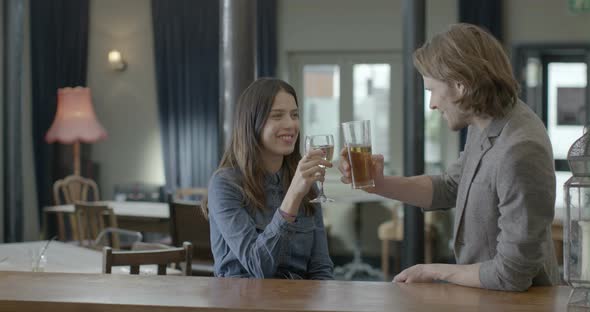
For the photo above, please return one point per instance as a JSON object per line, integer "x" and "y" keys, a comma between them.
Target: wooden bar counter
{"x": 61, "y": 292}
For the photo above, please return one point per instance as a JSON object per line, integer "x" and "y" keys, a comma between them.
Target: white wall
{"x": 350, "y": 25}
{"x": 125, "y": 102}
{"x": 544, "y": 21}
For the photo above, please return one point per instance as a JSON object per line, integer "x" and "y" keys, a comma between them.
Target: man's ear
{"x": 460, "y": 88}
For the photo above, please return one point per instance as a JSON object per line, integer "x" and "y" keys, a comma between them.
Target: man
{"x": 503, "y": 184}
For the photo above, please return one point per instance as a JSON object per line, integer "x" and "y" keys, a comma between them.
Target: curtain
{"x": 2, "y": 104}
{"x": 59, "y": 50}
{"x": 13, "y": 47}
{"x": 484, "y": 13}
{"x": 266, "y": 32}
{"x": 186, "y": 49}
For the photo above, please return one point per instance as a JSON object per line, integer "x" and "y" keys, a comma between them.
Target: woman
{"x": 262, "y": 224}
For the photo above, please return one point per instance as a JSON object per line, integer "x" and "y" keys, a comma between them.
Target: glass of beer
{"x": 357, "y": 137}
{"x": 326, "y": 144}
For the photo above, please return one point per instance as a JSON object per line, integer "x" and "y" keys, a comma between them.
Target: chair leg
{"x": 428, "y": 246}
{"x": 61, "y": 229}
{"x": 385, "y": 259}
{"x": 74, "y": 226}
{"x": 44, "y": 228}
{"x": 397, "y": 257}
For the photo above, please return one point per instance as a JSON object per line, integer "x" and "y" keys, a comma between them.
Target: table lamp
{"x": 75, "y": 121}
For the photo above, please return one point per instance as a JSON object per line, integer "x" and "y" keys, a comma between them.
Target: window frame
{"x": 537, "y": 98}
{"x": 346, "y": 62}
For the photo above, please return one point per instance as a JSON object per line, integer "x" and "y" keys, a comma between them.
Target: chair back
{"x": 90, "y": 221}
{"x": 187, "y": 224}
{"x": 134, "y": 259}
{"x": 74, "y": 188}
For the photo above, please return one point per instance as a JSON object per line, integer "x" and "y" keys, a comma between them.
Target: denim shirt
{"x": 262, "y": 244}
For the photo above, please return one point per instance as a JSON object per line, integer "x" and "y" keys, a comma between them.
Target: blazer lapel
{"x": 476, "y": 152}
{"x": 473, "y": 160}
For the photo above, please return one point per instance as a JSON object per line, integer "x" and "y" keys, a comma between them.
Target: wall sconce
{"x": 116, "y": 60}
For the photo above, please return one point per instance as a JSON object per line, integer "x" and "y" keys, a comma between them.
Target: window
{"x": 371, "y": 86}
{"x": 566, "y": 108}
{"x": 554, "y": 79}
{"x": 340, "y": 87}
{"x": 336, "y": 87}
{"x": 321, "y": 100}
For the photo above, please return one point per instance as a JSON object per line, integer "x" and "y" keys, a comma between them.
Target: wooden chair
{"x": 187, "y": 224}
{"x": 94, "y": 232}
{"x": 69, "y": 190}
{"x": 74, "y": 188}
{"x": 90, "y": 221}
{"x": 149, "y": 246}
{"x": 162, "y": 258}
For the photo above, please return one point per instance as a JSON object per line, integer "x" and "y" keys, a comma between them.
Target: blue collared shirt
{"x": 261, "y": 244}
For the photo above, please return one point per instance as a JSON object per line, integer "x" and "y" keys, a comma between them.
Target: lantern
{"x": 576, "y": 240}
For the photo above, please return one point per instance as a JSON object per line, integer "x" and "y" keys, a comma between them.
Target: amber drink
{"x": 357, "y": 136}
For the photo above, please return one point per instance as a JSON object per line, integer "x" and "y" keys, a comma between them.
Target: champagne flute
{"x": 326, "y": 144}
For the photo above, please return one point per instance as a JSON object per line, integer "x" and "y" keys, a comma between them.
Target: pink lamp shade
{"x": 75, "y": 120}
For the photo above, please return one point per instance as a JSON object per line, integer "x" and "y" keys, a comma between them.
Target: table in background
{"x": 20, "y": 291}
{"x": 136, "y": 216}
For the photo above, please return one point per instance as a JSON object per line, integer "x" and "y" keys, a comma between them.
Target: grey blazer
{"x": 503, "y": 186}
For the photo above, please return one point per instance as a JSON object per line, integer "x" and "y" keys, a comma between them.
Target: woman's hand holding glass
{"x": 324, "y": 143}
{"x": 309, "y": 171}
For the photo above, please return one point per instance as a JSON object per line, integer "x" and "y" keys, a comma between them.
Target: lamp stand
{"x": 77, "y": 158}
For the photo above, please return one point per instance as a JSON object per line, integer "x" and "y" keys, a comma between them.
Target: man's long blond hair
{"x": 469, "y": 55}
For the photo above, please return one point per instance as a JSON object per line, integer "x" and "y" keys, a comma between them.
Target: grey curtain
{"x": 186, "y": 48}
{"x": 484, "y": 13}
{"x": 13, "y": 49}
{"x": 266, "y": 33}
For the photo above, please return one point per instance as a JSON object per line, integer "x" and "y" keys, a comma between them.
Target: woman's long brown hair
{"x": 244, "y": 151}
